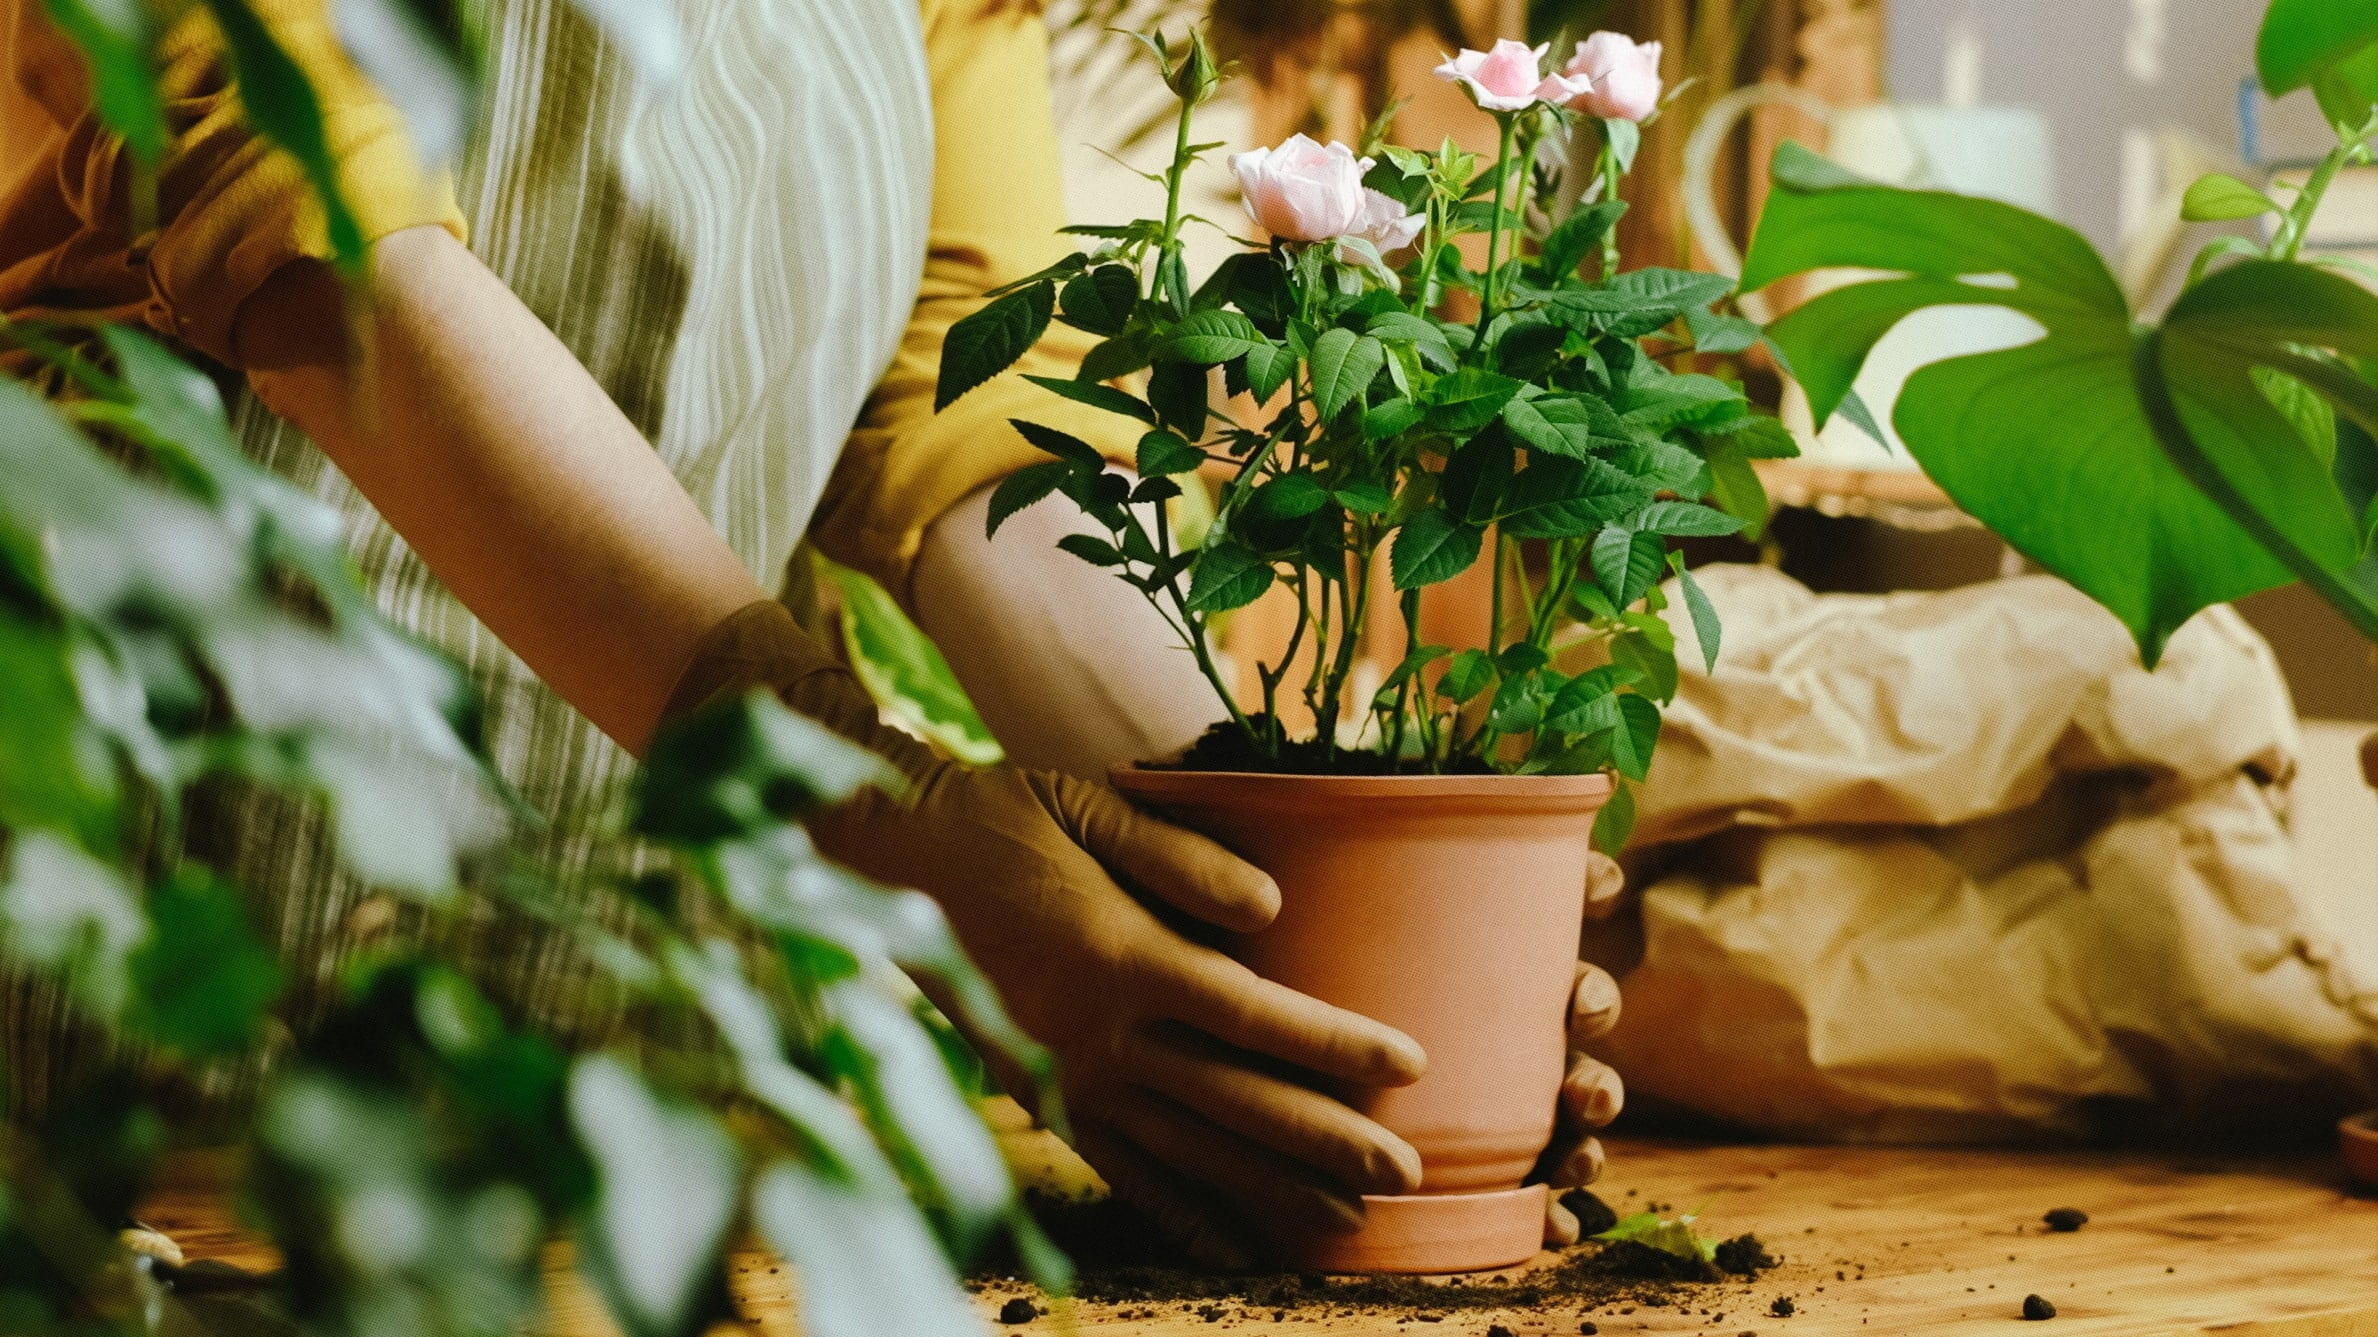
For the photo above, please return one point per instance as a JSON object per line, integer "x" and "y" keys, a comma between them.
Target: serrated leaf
{"x": 1227, "y": 576}
{"x": 1209, "y": 338}
{"x": 1097, "y": 396}
{"x": 1364, "y": 498}
{"x": 1430, "y": 548}
{"x": 1064, "y": 445}
{"x": 1391, "y": 418}
{"x": 1021, "y": 489}
{"x": 1577, "y": 237}
{"x": 1092, "y": 549}
{"x": 991, "y": 340}
{"x": 1706, "y": 629}
{"x": 1265, "y": 369}
{"x": 1683, "y": 519}
{"x": 1100, "y": 300}
{"x": 1343, "y": 366}
{"x": 1721, "y": 335}
{"x": 1469, "y": 399}
{"x": 1637, "y": 734}
{"x": 1469, "y": 673}
{"x": 1290, "y": 496}
{"x": 1162, "y": 453}
{"x": 1564, "y": 498}
{"x": 1627, "y": 564}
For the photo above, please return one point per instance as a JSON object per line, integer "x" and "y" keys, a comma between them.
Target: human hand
{"x": 1187, "y": 1077}
{"x": 1591, "y": 1093}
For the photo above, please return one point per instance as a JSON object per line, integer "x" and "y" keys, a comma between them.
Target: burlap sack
{"x": 1953, "y": 867}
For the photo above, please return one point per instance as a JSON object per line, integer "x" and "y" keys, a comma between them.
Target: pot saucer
{"x": 1426, "y": 1233}
{"x": 2359, "y": 1136}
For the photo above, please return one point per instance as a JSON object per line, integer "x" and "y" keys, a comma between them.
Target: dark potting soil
{"x": 1744, "y": 1256}
{"x": 2037, "y": 1309}
{"x": 1226, "y": 747}
{"x": 1119, "y": 1258}
{"x": 1593, "y": 1215}
{"x": 2066, "y": 1219}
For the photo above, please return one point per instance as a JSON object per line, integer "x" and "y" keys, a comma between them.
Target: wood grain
{"x": 1873, "y": 1241}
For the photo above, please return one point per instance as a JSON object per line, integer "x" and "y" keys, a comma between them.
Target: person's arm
{"x": 482, "y": 441}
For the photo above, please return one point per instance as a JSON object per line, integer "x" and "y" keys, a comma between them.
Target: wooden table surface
{"x": 1873, "y": 1241}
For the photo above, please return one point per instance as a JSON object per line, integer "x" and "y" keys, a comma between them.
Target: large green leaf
{"x": 2302, "y": 38}
{"x": 668, "y": 1183}
{"x": 114, "y": 37}
{"x": 1431, "y": 547}
{"x": 281, "y": 104}
{"x": 866, "y": 1265}
{"x": 2224, "y": 432}
{"x": 2049, "y": 443}
{"x": 904, "y": 671}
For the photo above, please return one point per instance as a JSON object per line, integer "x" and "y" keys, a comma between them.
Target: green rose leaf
{"x": 1226, "y": 576}
{"x": 667, "y": 1186}
{"x": 1684, "y": 519}
{"x": 1162, "y": 453}
{"x": 1343, "y": 366}
{"x": 1101, "y": 300}
{"x": 1209, "y": 338}
{"x": 1021, "y": 489}
{"x": 1466, "y": 676}
{"x": 991, "y": 340}
{"x": 1430, "y": 548}
{"x": 1097, "y": 396}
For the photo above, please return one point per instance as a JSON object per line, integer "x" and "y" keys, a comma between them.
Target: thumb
{"x": 1179, "y": 867}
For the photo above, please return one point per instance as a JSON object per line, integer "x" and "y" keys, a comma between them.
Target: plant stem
{"x": 1494, "y": 231}
{"x": 1610, "y": 180}
{"x": 1171, "y": 274}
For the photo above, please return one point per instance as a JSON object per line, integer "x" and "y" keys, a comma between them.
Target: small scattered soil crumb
{"x": 1744, "y": 1256}
{"x": 1783, "y": 1307}
{"x": 2037, "y": 1308}
{"x": 1018, "y": 1310}
{"x": 1589, "y": 1328}
{"x": 1593, "y": 1215}
{"x": 1497, "y": 1330}
{"x": 2066, "y": 1219}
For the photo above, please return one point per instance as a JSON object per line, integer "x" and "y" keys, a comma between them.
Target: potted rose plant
{"x": 1404, "y": 416}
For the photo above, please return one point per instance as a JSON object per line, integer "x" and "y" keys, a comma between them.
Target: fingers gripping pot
{"x": 1448, "y": 907}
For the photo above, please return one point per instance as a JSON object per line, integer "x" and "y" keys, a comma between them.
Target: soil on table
{"x": 1120, "y": 1259}
{"x": 1226, "y": 747}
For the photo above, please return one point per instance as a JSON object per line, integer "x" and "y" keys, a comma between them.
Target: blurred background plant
{"x": 173, "y": 615}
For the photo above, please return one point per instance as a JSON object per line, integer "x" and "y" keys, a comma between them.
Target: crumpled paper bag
{"x": 1952, "y": 867}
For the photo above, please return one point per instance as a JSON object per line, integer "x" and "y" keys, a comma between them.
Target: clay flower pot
{"x": 1448, "y": 907}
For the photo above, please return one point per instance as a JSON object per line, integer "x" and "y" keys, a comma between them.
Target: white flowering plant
{"x": 1384, "y": 401}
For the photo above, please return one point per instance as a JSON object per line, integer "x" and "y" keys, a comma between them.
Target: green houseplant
{"x": 2159, "y": 465}
{"x": 1404, "y": 416}
{"x": 172, "y": 615}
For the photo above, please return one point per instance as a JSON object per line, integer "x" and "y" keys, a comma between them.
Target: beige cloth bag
{"x": 1951, "y": 867}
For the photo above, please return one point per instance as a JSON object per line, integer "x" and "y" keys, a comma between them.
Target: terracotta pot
{"x": 1448, "y": 907}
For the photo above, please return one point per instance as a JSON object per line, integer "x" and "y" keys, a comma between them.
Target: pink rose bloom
{"x": 1510, "y": 77}
{"x": 1384, "y": 224}
{"x": 1303, "y": 191}
{"x": 1623, "y": 76}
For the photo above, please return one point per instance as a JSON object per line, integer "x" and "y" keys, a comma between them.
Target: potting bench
{"x": 1874, "y": 1241}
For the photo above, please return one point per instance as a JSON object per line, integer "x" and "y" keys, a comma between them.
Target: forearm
{"x": 483, "y": 442}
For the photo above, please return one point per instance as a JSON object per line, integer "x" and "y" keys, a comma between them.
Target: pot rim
{"x": 1257, "y": 785}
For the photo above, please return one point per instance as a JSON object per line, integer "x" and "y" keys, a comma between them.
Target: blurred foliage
{"x": 172, "y": 613}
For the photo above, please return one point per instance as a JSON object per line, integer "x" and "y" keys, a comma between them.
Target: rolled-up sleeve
{"x": 232, "y": 209}
{"x": 997, "y": 206}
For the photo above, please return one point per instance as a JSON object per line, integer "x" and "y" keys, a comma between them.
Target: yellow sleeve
{"x": 231, "y": 209}
{"x": 996, "y": 211}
